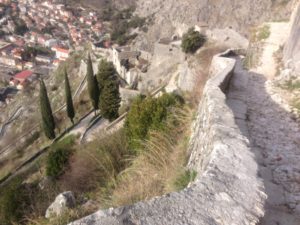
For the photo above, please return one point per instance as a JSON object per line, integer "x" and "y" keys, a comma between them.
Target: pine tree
{"x": 106, "y": 70}
{"x": 92, "y": 84}
{"x": 69, "y": 100}
{"x": 46, "y": 112}
{"x": 110, "y": 99}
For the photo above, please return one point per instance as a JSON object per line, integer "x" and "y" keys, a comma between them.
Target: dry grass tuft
{"x": 162, "y": 161}
{"x": 201, "y": 62}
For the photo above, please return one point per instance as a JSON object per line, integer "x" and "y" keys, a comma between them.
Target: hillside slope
{"x": 171, "y": 16}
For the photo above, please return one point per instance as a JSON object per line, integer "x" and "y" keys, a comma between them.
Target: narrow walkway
{"x": 274, "y": 138}
{"x": 279, "y": 32}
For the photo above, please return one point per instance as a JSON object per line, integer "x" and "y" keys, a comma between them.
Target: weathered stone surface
{"x": 292, "y": 47}
{"x": 227, "y": 189}
{"x": 229, "y": 38}
{"x": 62, "y": 202}
{"x": 273, "y": 138}
{"x": 175, "y": 17}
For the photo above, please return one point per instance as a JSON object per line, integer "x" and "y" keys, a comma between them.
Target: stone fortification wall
{"x": 291, "y": 53}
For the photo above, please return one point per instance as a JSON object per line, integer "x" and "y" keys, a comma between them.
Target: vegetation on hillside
{"x": 263, "y": 32}
{"x": 69, "y": 100}
{"x": 123, "y": 22}
{"x": 92, "y": 84}
{"x": 46, "y": 112}
{"x": 148, "y": 114}
{"x": 105, "y": 169}
{"x": 108, "y": 83}
{"x": 192, "y": 41}
{"x": 12, "y": 203}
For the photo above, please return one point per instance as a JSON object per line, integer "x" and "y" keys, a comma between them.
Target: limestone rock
{"x": 175, "y": 17}
{"x": 292, "y": 47}
{"x": 62, "y": 202}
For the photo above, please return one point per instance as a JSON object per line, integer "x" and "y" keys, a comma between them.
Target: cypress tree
{"x": 110, "y": 99}
{"x": 106, "y": 70}
{"x": 69, "y": 100}
{"x": 46, "y": 112}
{"x": 92, "y": 84}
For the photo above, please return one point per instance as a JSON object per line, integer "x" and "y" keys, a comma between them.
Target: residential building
{"x": 20, "y": 80}
{"x": 61, "y": 53}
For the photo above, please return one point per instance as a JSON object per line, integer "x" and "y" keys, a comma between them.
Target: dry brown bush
{"x": 96, "y": 164}
{"x": 201, "y": 62}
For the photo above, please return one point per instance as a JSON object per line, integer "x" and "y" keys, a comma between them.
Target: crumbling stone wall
{"x": 227, "y": 189}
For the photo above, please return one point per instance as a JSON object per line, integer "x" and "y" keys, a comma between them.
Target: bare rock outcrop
{"x": 175, "y": 17}
{"x": 62, "y": 202}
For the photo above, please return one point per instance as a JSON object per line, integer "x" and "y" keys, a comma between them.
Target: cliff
{"x": 172, "y": 17}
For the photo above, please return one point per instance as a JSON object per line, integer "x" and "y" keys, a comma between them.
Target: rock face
{"x": 62, "y": 202}
{"x": 292, "y": 47}
{"x": 172, "y": 16}
{"x": 226, "y": 191}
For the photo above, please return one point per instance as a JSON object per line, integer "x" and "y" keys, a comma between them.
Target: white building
{"x": 61, "y": 53}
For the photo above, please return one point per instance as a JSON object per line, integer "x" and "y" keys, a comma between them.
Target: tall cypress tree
{"x": 106, "y": 70}
{"x": 46, "y": 112}
{"x": 110, "y": 99}
{"x": 92, "y": 84}
{"x": 69, "y": 100}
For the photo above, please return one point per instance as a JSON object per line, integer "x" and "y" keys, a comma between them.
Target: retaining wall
{"x": 227, "y": 189}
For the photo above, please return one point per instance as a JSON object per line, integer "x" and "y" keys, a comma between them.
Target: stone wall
{"x": 226, "y": 191}
{"x": 291, "y": 54}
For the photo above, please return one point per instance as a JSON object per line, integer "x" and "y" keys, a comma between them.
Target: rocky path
{"x": 274, "y": 138}
{"x": 278, "y": 34}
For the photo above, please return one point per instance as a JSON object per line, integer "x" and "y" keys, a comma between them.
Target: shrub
{"x": 96, "y": 164}
{"x": 59, "y": 156}
{"x": 192, "y": 41}
{"x": 145, "y": 114}
{"x": 56, "y": 162}
{"x": 136, "y": 21}
{"x": 12, "y": 203}
{"x": 263, "y": 32}
{"x": 184, "y": 179}
{"x": 158, "y": 167}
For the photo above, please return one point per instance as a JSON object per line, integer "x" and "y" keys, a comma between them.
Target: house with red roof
{"x": 20, "y": 80}
{"x": 61, "y": 53}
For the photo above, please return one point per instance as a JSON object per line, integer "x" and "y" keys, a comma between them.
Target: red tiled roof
{"x": 24, "y": 74}
{"x": 61, "y": 49}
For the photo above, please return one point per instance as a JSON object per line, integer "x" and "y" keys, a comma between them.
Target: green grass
{"x": 263, "y": 33}
{"x": 296, "y": 104}
{"x": 184, "y": 179}
{"x": 291, "y": 85}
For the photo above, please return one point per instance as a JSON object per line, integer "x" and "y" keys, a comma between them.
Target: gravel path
{"x": 278, "y": 35}
{"x": 274, "y": 136}
{"x": 275, "y": 139}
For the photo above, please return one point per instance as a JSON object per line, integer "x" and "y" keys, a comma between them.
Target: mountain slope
{"x": 172, "y": 16}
